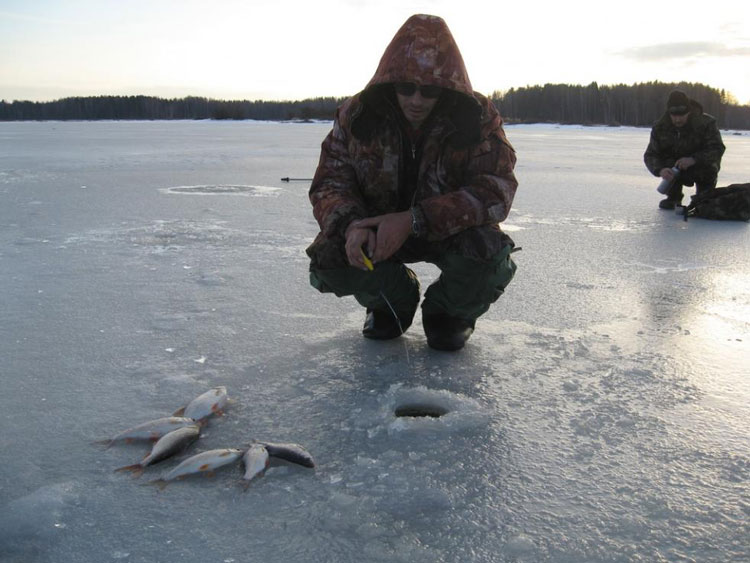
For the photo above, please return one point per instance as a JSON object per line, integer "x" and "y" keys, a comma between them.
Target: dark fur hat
{"x": 678, "y": 103}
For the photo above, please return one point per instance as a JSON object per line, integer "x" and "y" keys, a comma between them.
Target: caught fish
{"x": 151, "y": 430}
{"x": 211, "y": 402}
{"x": 289, "y": 452}
{"x": 204, "y": 462}
{"x": 167, "y": 446}
{"x": 256, "y": 462}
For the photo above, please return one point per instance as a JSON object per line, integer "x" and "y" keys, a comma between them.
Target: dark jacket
{"x": 461, "y": 170}
{"x": 698, "y": 138}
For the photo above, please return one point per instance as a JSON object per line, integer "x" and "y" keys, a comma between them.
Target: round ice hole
{"x": 421, "y": 409}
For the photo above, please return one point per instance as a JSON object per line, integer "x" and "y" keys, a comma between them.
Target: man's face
{"x": 679, "y": 120}
{"x": 416, "y": 107}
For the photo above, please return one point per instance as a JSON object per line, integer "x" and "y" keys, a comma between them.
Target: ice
{"x": 37, "y": 517}
{"x": 460, "y": 412}
{"x": 600, "y": 412}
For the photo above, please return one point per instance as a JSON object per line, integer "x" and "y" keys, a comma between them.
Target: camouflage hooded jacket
{"x": 464, "y": 162}
{"x": 699, "y": 138}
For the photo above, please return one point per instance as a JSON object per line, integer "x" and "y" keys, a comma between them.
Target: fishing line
{"x": 370, "y": 266}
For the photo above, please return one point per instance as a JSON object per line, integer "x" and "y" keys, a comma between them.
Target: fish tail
{"x": 136, "y": 469}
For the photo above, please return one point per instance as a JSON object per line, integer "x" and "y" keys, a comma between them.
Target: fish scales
{"x": 209, "y": 403}
{"x": 203, "y": 462}
{"x": 167, "y": 446}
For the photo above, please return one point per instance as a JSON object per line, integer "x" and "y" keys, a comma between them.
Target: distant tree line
{"x": 637, "y": 105}
{"x": 148, "y": 107}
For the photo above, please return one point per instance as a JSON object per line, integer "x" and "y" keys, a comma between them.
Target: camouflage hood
{"x": 457, "y": 175}
{"x": 423, "y": 51}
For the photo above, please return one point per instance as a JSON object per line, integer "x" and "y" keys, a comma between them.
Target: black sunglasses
{"x": 409, "y": 89}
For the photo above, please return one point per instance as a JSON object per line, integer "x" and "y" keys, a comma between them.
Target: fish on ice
{"x": 293, "y": 453}
{"x": 256, "y": 463}
{"x": 167, "y": 446}
{"x": 151, "y": 430}
{"x": 204, "y": 462}
{"x": 211, "y": 402}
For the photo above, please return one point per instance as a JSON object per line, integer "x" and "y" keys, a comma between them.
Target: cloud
{"x": 684, "y": 50}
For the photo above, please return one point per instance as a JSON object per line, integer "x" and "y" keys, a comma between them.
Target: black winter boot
{"x": 446, "y": 333}
{"x": 382, "y": 325}
{"x": 669, "y": 203}
{"x": 674, "y": 196}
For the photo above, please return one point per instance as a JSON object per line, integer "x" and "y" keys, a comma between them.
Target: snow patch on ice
{"x": 163, "y": 236}
{"x": 224, "y": 189}
{"x": 520, "y": 545}
{"x": 594, "y": 223}
{"x": 461, "y": 412}
{"x": 20, "y": 175}
{"x": 667, "y": 268}
{"x": 280, "y": 246}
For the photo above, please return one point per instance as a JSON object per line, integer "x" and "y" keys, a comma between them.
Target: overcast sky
{"x": 295, "y": 49}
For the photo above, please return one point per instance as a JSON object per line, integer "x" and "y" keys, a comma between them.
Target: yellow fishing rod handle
{"x": 367, "y": 260}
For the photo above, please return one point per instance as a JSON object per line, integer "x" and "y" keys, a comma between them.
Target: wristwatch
{"x": 417, "y": 222}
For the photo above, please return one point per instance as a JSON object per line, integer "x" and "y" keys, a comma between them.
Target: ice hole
{"x": 421, "y": 410}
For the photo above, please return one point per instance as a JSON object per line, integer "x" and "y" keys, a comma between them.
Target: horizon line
{"x": 343, "y": 97}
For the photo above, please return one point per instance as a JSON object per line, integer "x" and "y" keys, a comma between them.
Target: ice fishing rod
{"x": 287, "y": 179}
{"x": 370, "y": 266}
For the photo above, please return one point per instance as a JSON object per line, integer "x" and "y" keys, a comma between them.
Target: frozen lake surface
{"x": 600, "y": 412}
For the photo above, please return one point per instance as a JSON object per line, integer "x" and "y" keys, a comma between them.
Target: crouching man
{"x": 689, "y": 140}
{"x": 416, "y": 168}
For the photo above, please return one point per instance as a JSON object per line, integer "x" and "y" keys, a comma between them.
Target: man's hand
{"x": 390, "y": 231}
{"x": 667, "y": 174}
{"x": 357, "y": 239}
{"x": 685, "y": 162}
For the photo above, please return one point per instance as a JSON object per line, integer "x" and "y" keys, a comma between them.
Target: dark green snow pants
{"x": 465, "y": 289}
